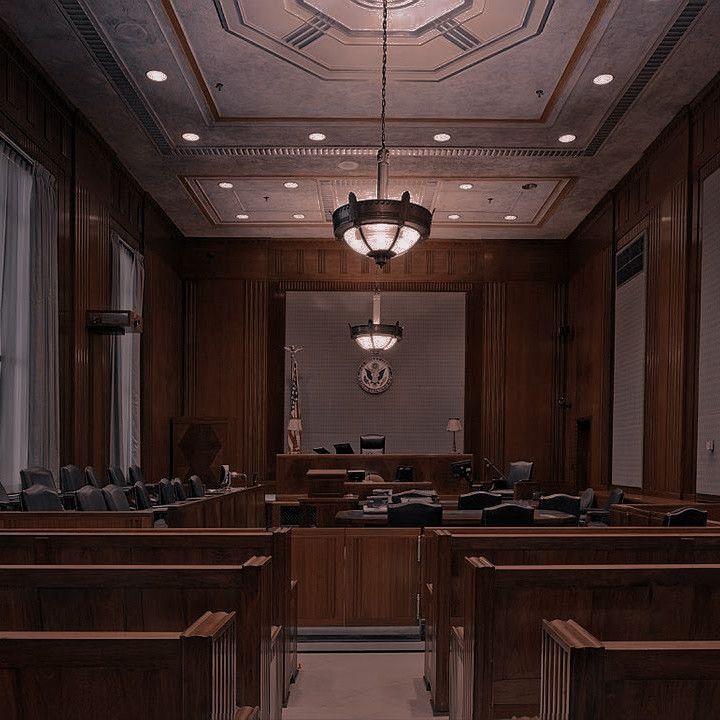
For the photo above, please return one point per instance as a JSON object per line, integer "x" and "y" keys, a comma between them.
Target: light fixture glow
{"x": 290, "y": 185}
{"x": 441, "y": 137}
{"x": 568, "y": 138}
{"x": 316, "y": 136}
{"x": 156, "y": 75}
{"x": 225, "y": 185}
{"x": 382, "y": 228}
{"x": 242, "y": 216}
{"x": 299, "y": 216}
{"x": 466, "y": 186}
{"x": 604, "y": 79}
{"x": 190, "y": 137}
{"x": 511, "y": 217}
{"x": 375, "y": 335}
{"x": 453, "y": 216}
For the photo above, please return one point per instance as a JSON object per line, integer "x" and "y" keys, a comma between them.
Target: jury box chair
{"x": 36, "y": 475}
{"x": 40, "y": 498}
{"x": 72, "y": 478}
{"x": 116, "y": 476}
{"x": 90, "y": 499}
{"x": 115, "y": 498}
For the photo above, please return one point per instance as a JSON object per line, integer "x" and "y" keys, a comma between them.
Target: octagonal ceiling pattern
{"x": 505, "y": 79}
{"x": 429, "y": 39}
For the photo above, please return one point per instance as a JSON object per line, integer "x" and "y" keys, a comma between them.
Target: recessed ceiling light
{"x": 225, "y": 185}
{"x": 290, "y": 185}
{"x": 567, "y": 138}
{"x": 348, "y": 165}
{"x": 190, "y": 137}
{"x": 441, "y": 137}
{"x": 604, "y": 79}
{"x": 453, "y": 216}
{"x": 299, "y": 216}
{"x": 316, "y": 136}
{"x": 242, "y": 216}
{"x": 156, "y": 75}
{"x": 529, "y": 186}
{"x": 511, "y": 217}
{"x": 466, "y": 186}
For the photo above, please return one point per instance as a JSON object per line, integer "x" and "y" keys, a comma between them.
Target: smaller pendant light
{"x": 375, "y": 336}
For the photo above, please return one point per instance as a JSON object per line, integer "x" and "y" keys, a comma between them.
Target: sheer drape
{"x": 16, "y": 182}
{"x": 128, "y": 279}
{"x": 44, "y": 415}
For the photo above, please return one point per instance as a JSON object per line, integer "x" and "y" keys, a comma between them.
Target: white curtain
{"x": 16, "y": 182}
{"x": 128, "y": 280}
{"x": 29, "y": 422}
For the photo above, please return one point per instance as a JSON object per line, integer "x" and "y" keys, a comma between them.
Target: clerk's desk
{"x": 429, "y": 468}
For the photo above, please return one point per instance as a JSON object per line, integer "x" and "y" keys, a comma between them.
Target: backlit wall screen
{"x": 428, "y": 368}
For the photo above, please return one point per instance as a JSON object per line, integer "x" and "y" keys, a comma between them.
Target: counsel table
{"x": 451, "y": 518}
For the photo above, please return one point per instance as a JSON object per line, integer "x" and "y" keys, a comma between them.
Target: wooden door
{"x": 382, "y": 576}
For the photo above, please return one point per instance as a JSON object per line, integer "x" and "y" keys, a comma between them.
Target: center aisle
{"x": 359, "y": 686}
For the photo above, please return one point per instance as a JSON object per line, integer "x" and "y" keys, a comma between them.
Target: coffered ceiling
{"x": 253, "y": 78}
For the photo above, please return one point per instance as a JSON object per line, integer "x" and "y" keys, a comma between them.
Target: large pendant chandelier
{"x": 376, "y": 336}
{"x": 383, "y": 228}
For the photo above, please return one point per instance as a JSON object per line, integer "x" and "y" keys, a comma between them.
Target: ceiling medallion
{"x": 383, "y": 228}
{"x": 375, "y": 375}
{"x": 376, "y": 336}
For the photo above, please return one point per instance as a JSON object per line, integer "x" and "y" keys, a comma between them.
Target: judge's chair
{"x": 372, "y": 444}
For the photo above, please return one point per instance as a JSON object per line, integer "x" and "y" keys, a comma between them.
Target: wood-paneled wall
{"x": 95, "y": 194}
{"x": 657, "y": 197}
{"x": 235, "y": 295}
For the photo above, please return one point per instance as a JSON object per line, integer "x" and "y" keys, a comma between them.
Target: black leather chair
{"x": 141, "y": 497}
{"x": 478, "y": 500}
{"x": 686, "y": 517}
{"x": 561, "y": 502}
{"x": 428, "y": 495}
{"x": 166, "y": 492}
{"x": 135, "y": 475}
{"x": 587, "y": 498}
{"x": 519, "y": 471}
{"x": 415, "y": 514}
{"x": 115, "y": 498}
{"x": 602, "y": 515}
{"x": 405, "y": 473}
{"x": 92, "y": 477}
{"x": 37, "y": 476}
{"x": 372, "y": 444}
{"x": 116, "y": 476}
{"x": 5, "y": 502}
{"x": 224, "y": 479}
{"x": 180, "y": 493}
{"x": 90, "y": 499}
{"x": 72, "y": 478}
{"x": 508, "y": 515}
{"x": 197, "y": 489}
{"x": 40, "y": 497}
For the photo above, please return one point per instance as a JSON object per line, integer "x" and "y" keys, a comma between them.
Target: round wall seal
{"x": 375, "y": 375}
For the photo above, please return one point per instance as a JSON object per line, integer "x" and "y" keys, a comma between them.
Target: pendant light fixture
{"x": 374, "y": 336}
{"x": 383, "y": 228}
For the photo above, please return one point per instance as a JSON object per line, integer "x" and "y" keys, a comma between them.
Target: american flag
{"x": 294, "y": 433}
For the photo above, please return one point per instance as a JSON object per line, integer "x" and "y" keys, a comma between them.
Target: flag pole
{"x": 294, "y": 425}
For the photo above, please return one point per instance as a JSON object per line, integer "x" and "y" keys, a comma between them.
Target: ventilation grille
{"x": 325, "y": 151}
{"x": 661, "y": 53}
{"x": 104, "y": 57}
{"x": 630, "y": 262}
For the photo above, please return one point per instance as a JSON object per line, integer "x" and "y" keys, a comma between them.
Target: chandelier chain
{"x": 384, "y": 74}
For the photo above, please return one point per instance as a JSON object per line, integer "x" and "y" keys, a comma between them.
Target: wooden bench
{"x": 175, "y": 547}
{"x": 188, "y": 675}
{"x": 75, "y": 519}
{"x": 444, "y": 551}
{"x": 150, "y": 598}
{"x": 499, "y": 671}
{"x": 583, "y": 678}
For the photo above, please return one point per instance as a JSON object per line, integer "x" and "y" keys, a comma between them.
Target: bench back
{"x": 507, "y": 604}
{"x": 120, "y": 675}
{"x": 147, "y": 598}
{"x": 583, "y": 678}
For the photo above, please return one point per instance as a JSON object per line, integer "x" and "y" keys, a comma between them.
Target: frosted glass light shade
{"x": 375, "y": 337}
{"x": 381, "y": 229}
{"x": 454, "y": 425}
